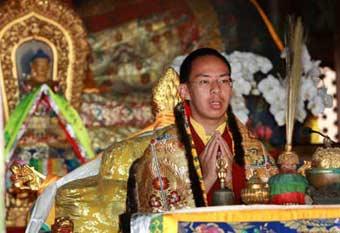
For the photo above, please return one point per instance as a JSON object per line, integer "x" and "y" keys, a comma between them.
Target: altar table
{"x": 242, "y": 218}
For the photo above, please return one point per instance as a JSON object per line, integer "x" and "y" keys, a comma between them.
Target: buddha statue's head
{"x": 40, "y": 67}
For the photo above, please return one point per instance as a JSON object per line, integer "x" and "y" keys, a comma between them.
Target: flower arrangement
{"x": 313, "y": 93}
{"x": 244, "y": 65}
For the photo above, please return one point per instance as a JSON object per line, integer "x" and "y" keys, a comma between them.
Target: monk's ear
{"x": 184, "y": 91}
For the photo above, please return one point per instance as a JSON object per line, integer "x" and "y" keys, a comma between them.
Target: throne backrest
{"x": 27, "y": 26}
{"x": 165, "y": 95}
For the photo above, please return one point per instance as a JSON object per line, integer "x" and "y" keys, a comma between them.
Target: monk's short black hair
{"x": 185, "y": 68}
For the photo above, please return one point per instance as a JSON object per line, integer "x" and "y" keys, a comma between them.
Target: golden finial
{"x": 288, "y": 157}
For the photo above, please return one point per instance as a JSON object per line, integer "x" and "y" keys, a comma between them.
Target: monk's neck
{"x": 210, "y": 126}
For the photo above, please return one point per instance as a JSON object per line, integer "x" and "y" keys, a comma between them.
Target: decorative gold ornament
{"x": 25, "y": 177}
{"x": 306, "y": 165}
{"x": 165, "y": 94}
{"x": 18, "y": 204}
{"x": 222, "y": 168}
{"x": 256, "y": 192}
{"x": 325, "y": 169}
{"x": 165, "y": 97}
{"x": 327, "y": 156}
{"x": 161, "y": 177}
{"x": 63, "y": 225}
{"x": 288, "y": 157}
{"x": 21, "y": 196}
{"x": 49, "y": 22}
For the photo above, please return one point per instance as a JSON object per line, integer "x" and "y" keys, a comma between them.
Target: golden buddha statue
{"x": 40, "y": 73}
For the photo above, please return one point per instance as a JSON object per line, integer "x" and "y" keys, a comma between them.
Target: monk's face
{"x": 208, "y": 90}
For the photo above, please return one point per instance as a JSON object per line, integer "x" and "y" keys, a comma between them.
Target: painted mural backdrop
{"x": 134, "y": 41}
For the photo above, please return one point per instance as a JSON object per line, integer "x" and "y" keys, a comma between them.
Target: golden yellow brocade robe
{"x": 160, "y": 179}
{"x": 95, "y": 203}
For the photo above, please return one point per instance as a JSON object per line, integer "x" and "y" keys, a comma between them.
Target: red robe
{"x": 238, "y": 172}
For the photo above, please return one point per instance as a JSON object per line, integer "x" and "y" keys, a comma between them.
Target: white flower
{"x": 242, "y": 116}
{"x": 241, "y": 87}
{"x": 252, "y": 66}
{"x": 248, "y": 76}
{"x": 316, "y": 105}
{"x": 239, "y": 107}
{"x": 308, "y": 90}
{"x": 237, "y": 75}
{"x": 238, "y": 101}
{"x": 310, "y": 67}
{"x": 271, "y": 89}
{"x": 301, "y": 113}
{"x": 313, "y": 70}
{"x": 316, "y": 80}
{"x": 265, "y": 64}
{"x": 279, "y": 113}
{"x": 236, "y": 67}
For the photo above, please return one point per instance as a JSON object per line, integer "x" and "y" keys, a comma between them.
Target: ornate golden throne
{"x": 93, "y": 196}
{"x": 29, "y": 25}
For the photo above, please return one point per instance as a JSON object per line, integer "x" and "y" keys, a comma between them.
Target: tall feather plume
{"x": 294, "y": 72}
{"x": 294, "y": 44}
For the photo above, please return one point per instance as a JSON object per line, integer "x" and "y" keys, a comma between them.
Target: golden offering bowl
{"x": 256, "y": 192}
{"x": 320, "y": 177}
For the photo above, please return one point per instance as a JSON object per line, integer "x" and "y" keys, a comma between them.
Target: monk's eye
{"x": 226, "y": 82}
{"x": 203, "y": 82}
